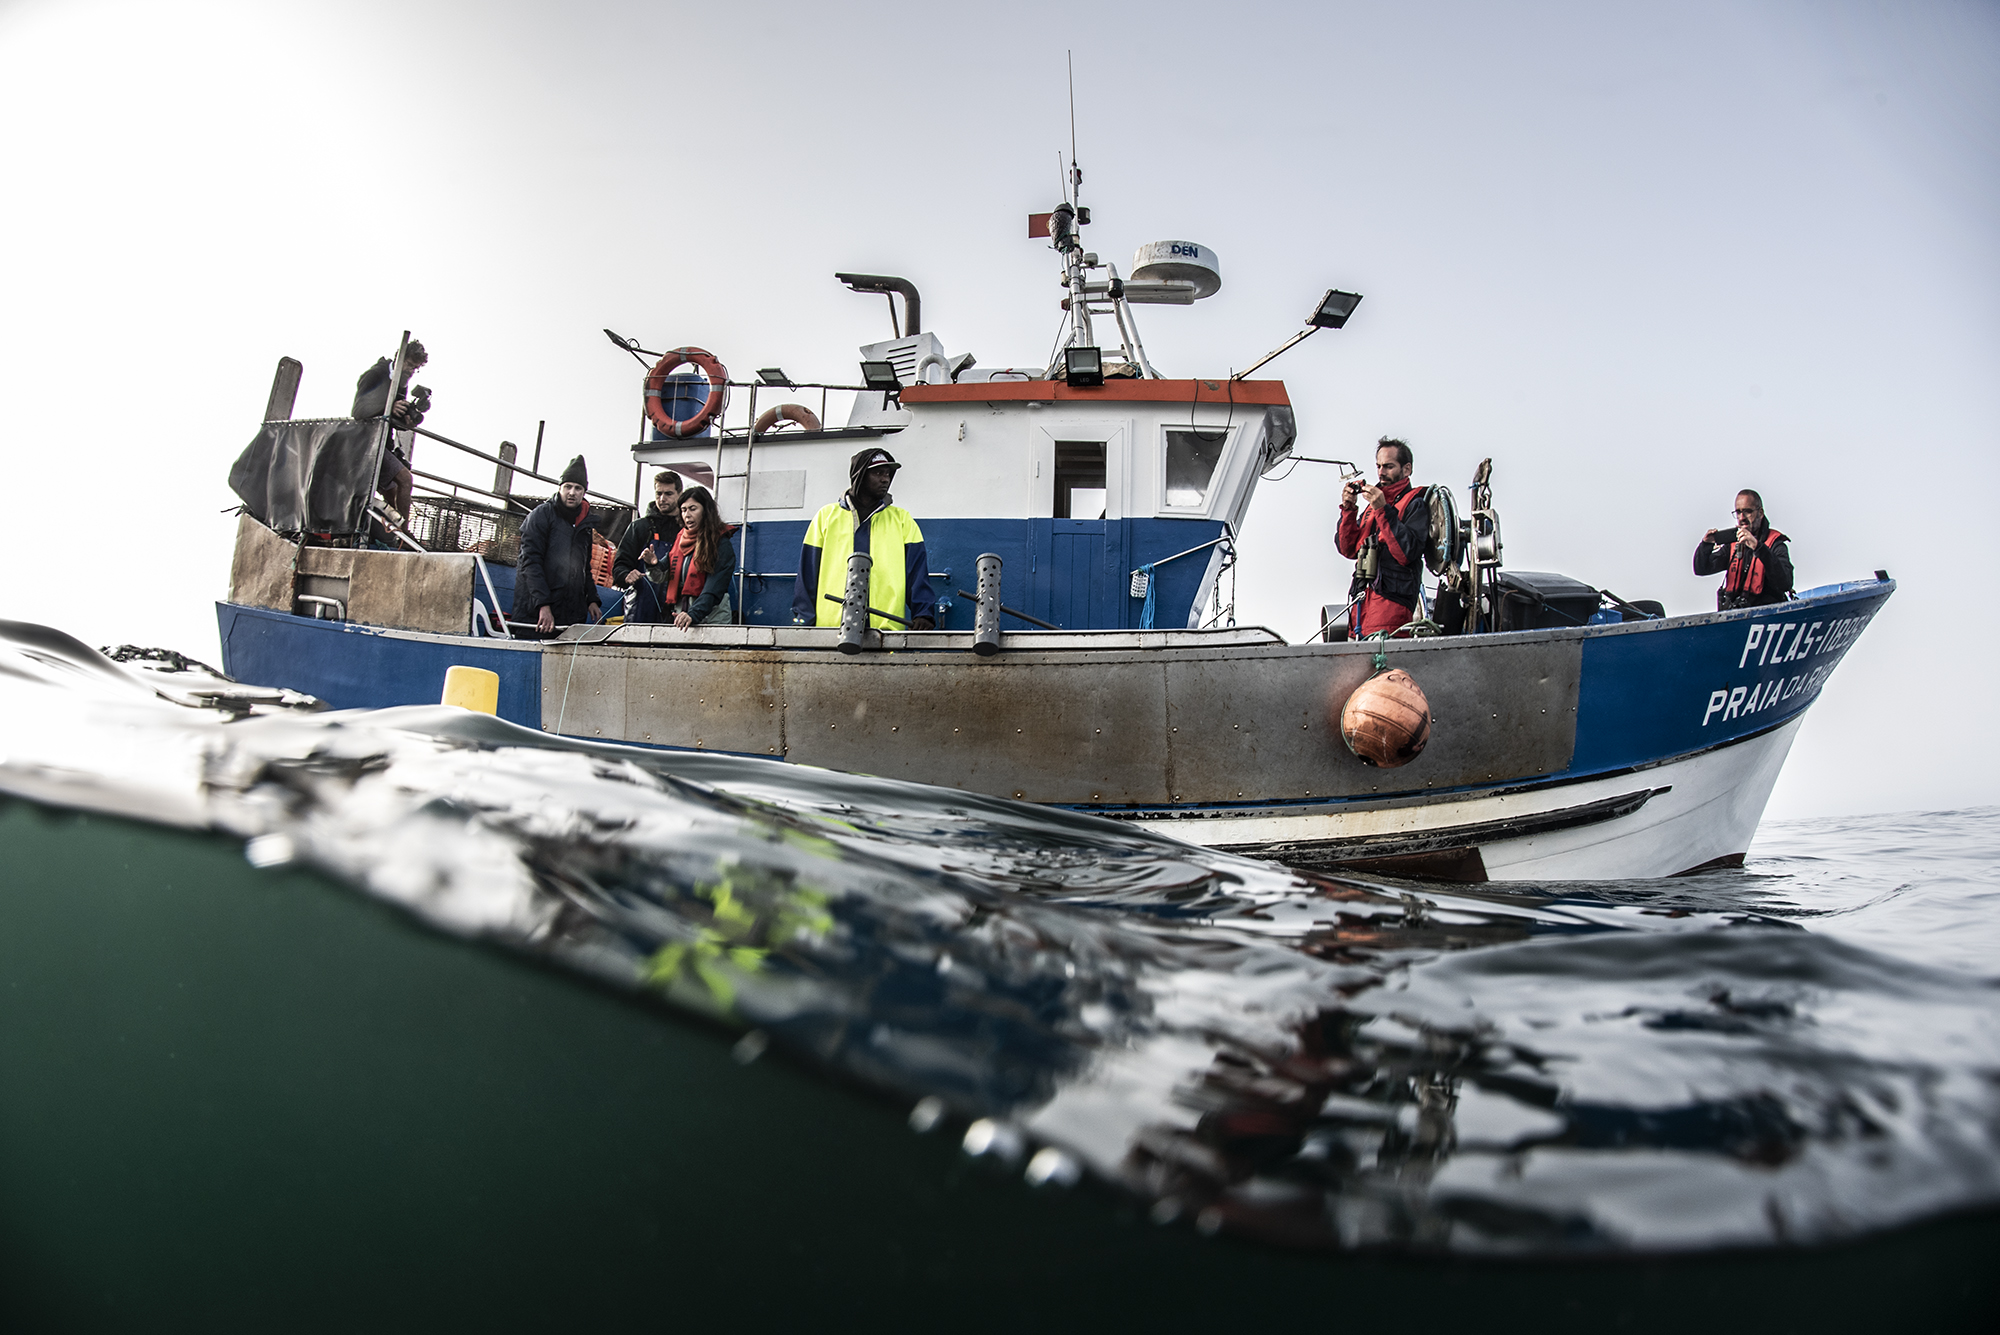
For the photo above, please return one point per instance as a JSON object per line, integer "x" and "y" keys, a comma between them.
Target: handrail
{"x": 433, "y": 477}
{"x": 509, "y": 463}
{"x": 796, "y": 384}
{"x": 734, "y": 438}
{"x": 1190, "y": 551}
{"x": 499, "y": 615}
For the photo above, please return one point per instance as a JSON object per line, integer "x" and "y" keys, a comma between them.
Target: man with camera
{"x": 374, "y": 396}
{"x": 1757, "y": 557}
{"x": 1385, "y": 541}
{"x": 641, "y": 552}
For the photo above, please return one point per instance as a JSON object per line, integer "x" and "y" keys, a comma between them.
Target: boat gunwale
{"x": 1058, "y": 647}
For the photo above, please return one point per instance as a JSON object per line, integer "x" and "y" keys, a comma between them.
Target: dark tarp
{"x": 308, "y": 477}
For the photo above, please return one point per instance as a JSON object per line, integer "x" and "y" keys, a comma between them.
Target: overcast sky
{"x": 1641, "y": 255}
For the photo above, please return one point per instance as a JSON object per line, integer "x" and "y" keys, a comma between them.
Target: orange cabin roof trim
{"x": 1248, "y": 392}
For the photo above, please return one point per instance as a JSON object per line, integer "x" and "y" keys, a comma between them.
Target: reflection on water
{"x": 1319, "y": 1062}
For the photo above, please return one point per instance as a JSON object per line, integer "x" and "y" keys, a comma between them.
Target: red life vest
{"x": 1746, "y": 573}
{"x": 1373, "y": 518}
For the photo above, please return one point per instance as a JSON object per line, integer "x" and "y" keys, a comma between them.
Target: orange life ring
{"x": 789, "y": 412}
{"x": 656, "y": 383}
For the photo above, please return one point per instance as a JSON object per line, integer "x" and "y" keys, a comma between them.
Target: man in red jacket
{"x": 1386, "y": 540}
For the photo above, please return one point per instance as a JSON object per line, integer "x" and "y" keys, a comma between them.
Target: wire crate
{"x": 453, "y": 524}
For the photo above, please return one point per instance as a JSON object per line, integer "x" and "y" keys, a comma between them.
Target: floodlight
{"x": 1083, "y": 366}
{"x": 1333, "y": 309}
{"x": 772, "y": 375}
{"x": 880, "y": 375}
{"x": 1331, "y": 313}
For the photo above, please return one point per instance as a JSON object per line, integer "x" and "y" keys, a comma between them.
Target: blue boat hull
{"x": 364, "y": 667}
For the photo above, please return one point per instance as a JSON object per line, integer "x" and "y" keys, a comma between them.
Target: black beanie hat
{"x": 576, "y": 472}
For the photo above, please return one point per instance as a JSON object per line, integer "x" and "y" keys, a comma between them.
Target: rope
{"x": 563, "y": 712}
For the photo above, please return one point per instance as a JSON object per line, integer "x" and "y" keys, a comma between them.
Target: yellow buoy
{"x": 472, "y": 688}
{"x": 1387, "y": 720}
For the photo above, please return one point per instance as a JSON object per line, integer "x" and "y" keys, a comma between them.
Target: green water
{"x": 236, "y": 1099}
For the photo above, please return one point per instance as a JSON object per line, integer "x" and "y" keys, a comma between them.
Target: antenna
{"x": 1071, "y": 57}
{"x": 1075, "y": 174}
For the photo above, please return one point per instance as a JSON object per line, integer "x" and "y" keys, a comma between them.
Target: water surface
{"x": 1805, "y": 1051}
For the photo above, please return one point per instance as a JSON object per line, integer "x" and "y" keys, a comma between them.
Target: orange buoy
{"x": 1387, "y": 720}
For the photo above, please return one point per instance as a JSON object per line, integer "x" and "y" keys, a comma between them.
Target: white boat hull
{"x": 1699, "y": 811}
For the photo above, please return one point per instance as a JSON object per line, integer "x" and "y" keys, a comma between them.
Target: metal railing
{"x": 510, "y": 465}
{"x": 723, "y": 438}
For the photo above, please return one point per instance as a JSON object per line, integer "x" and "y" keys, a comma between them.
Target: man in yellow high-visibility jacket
{"x": 863, "y": 519}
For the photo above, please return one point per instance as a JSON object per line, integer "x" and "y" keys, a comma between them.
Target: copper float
{"x": 1387, "y": 720}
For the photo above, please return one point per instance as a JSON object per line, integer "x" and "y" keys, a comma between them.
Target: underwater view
{"x": 964, "y": 1043}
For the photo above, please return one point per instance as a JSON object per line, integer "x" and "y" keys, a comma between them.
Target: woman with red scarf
{"x": 1393, "y": 532}
{"x": 700, "y": 564}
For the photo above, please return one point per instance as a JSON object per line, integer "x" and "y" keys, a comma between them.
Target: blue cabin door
{"x": 1072, "y": 564}
{"x": 1077, "y": 591}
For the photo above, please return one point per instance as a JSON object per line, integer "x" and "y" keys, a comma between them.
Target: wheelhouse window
{"x": 1192, "y": 454}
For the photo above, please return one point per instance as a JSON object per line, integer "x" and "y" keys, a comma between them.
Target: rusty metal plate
{"x": 260, "y": 573}
{"x": 424, "y": 591}
{"x": 1260, "y": 728}
{"x": 1062, "y": 728}
{"x": 1247, "y": 724}
{"x": 700, "y": 699}
{"x": 429, "y": 591}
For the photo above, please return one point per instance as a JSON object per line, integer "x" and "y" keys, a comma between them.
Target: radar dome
{"x": 1179, "y": 262}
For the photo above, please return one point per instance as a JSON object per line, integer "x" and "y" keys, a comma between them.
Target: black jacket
{"x": 1772, "y": 582}
{"x": 371, "y": 391}
{"x": 652, "y": 527}
{"x": 554, "y": 567}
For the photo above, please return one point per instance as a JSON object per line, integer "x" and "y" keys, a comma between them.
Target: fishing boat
{"x": 1082, "y": 521}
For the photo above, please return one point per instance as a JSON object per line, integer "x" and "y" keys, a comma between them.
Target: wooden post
{"x": 284, "y": 390}
{"x": 503, "y": 474}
